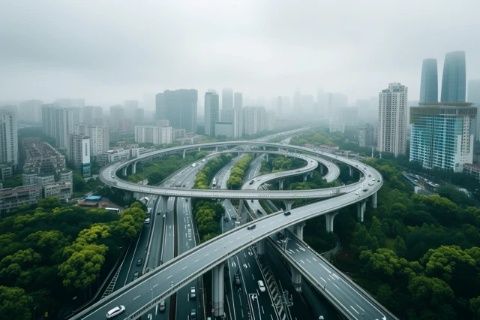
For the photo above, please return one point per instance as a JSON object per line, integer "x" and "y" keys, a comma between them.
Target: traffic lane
{"x": 328, "y": 279}
{"x": 216, "y": 251}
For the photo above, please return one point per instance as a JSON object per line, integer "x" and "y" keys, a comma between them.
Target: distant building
{"x": 153, "y": 134}
{"x": 392, "y": 119}
{"x": 429, "y": 82}
{"x": 30, "y": 111}
{"x": 366, "y": 136}
{"x": 227, "y": 98}
{"x": 211, "y": 112}
{"x": 80, "y": 153}
{"x": 59, "y": 123}
{"x": 474, "y": 97}
{"x": 120, "y": 154}
{"x": 99, "y": 137}
{"x": 119, "y": 122}
{"x": 179, "y": 107}
{"x": 238, "y": 123}
{"x": 254, "y": 120}
{"x": 442, "y": 135}
{"x": 41, "y": 158}
{"x": 92, "y": 115}
{"x": 237, "y": 100}
{"x": 454, "y": 78}
{"x": 8, "y": 138}
{"x": 224, "y": 129}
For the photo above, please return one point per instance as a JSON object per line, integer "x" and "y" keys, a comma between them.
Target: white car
{"x": 261, "y": 286}
{"x": 147, "y": 221}
{"x": 115, "y": 311}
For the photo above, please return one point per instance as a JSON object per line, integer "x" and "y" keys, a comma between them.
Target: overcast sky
{"x": 112, "y": 50}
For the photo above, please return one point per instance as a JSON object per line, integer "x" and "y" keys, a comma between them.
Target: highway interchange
{"x": 180, "y": 274}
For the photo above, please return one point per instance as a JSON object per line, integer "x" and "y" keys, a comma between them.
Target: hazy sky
{"x": 111, "y": 50}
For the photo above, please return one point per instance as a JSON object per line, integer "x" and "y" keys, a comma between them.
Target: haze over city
{"x": 239, "y": 160}
{"x": 109, "y": 51}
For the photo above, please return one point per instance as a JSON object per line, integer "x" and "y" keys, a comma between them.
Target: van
{"x": 161, "y": 305}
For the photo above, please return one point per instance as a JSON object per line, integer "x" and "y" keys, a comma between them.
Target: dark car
{"x": 251, "y": 182}
{"x": 193, "y": 314}
{"x": 236, "y": 279}
{"x": 251, "y": 227}
{"x": 287, "y": 213}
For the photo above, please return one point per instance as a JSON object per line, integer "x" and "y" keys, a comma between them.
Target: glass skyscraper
{"x": 454, "y": 77}
{"x": 429, "y": 84}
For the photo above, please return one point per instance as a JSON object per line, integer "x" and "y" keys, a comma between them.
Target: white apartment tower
{"x": 8, "y": 137}
{"x": 392, "y": 119}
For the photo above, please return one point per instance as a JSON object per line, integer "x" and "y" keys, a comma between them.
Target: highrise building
{"x": 442, "y": 135}
{"x": 8, "y": 137}
{"x": 237, "y": 100}
{"x": 429, "y": 83}
{"x": 474, "y": 97}
{"x": 211, "y": 112}
{"x": 454, "y": 77}
{"x": 79, "y": 153}
{"x": 392, "y": 119}
{"x": 99, "y": 137}
{"x": 153, "y": 134}
{"x": 179, "y": 107}
{"x": 227, "y": 98}
{"x": 254, "y": 120}
{"x": 92, "y": 115}
{"x": 30, "y": 111}
{"x": 237, "y": 123}
{"x": 59, "y": 123}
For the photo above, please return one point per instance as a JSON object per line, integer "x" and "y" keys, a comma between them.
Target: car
{"x": 193, "y": 314}
{"x": 161, "y": 305}
{"x": 261, "y": 286}
{"x": 135, "y": 276}
{"x": 115, "y": 311}
{"x": 251, "y": 182}
{"x": 234, "y": 217}
{"x": 139, "y": 262}
{"x": 194, "y": 165}
{"x": 251, "y": 227}
{"x": 236, "y": 279}
{"x": 147, "y": 221}
{"x": 193, "y": 293}
{"x": 287, "y": 213}
{"x": 225, "y": 219}
{"x": 365, "y": 190}
{"x": 186, "y": 199}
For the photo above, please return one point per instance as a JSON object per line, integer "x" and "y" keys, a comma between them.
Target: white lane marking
{"x": 170, "y": 276}
{"x": 354, "y": 309}
{"x": 135, "y": 298}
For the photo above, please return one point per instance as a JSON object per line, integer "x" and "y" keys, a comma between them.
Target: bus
{"x": 113, "y": 210}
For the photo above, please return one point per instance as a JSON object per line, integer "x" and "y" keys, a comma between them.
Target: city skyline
{"x": 245, "y": 47}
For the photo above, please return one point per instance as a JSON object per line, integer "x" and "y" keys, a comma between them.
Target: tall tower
{"x": 8, "y": 137}
{"x": 211, "y": 112}
{"x": 179, "y": 107}
{"x": 429, "y": 84}
{"x": 392, "y": 119}
{"x": 454, "y": 77}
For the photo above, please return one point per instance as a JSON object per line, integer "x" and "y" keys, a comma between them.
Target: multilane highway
{"x": 160, "y": 283}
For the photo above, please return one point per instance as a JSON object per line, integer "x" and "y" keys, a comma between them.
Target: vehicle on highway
{"x": 115, "y": 311}
{"x": 193, "y": 293}
{"x": 236, "y": 279}
{"x": 147, "y": 221}
{"x": 287, "y": 213}
{"x": 251, "y": 227}
{"x": 251, "y": 182}
{"x": 139, "y": 262}
{"x": 261, "y": 286}
{"x": 186, "y": 199}
{"x": 194, "y": 165}
{"x": 193, "y": 314}
{"x": 365, "y": 190}
{"x": 214, "y": 182}
{"x": 161, "y": 305}
{"x": 225, "y": 219}
{"x": 135, "y": 276}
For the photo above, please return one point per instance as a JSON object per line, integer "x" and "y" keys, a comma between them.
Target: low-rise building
{"x": 13, "y": 198}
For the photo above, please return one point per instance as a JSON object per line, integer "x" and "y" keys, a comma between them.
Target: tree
{"x": 475, "y": 307}
{"x": 83, "y": 267}
{"x": 14, "y": 303}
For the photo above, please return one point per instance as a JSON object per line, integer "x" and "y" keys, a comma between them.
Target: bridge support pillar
{"x": 260, "y": 245}
{"x": 216, "y": 149}
{"x": 361, "y": 206}
{"x": 329, "y": 218}
{"x": 350, "y": 171}
{"x": 288, "y": 204}
{"x": 184, "y": 153}
{"x": 374, "y": 200}
{"x": 321, "y": 169}
{"x": 218, "y": 290}
{"x": 124, "y": 171}
{"x": 298, "y": 230}
{"x": 296, "y": 279}
{"x": 305, "y": 177}
{"x": 134, "y": 168}
{"x": 267, "y": 157}
{"x": 280, "y": 184}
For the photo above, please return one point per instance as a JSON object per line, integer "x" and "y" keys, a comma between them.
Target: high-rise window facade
{"x": 454, "y": 77}
{"x": 429, "y": 83}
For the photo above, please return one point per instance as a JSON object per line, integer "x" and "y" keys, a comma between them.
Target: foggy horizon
{"x": 109, "y": 52}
